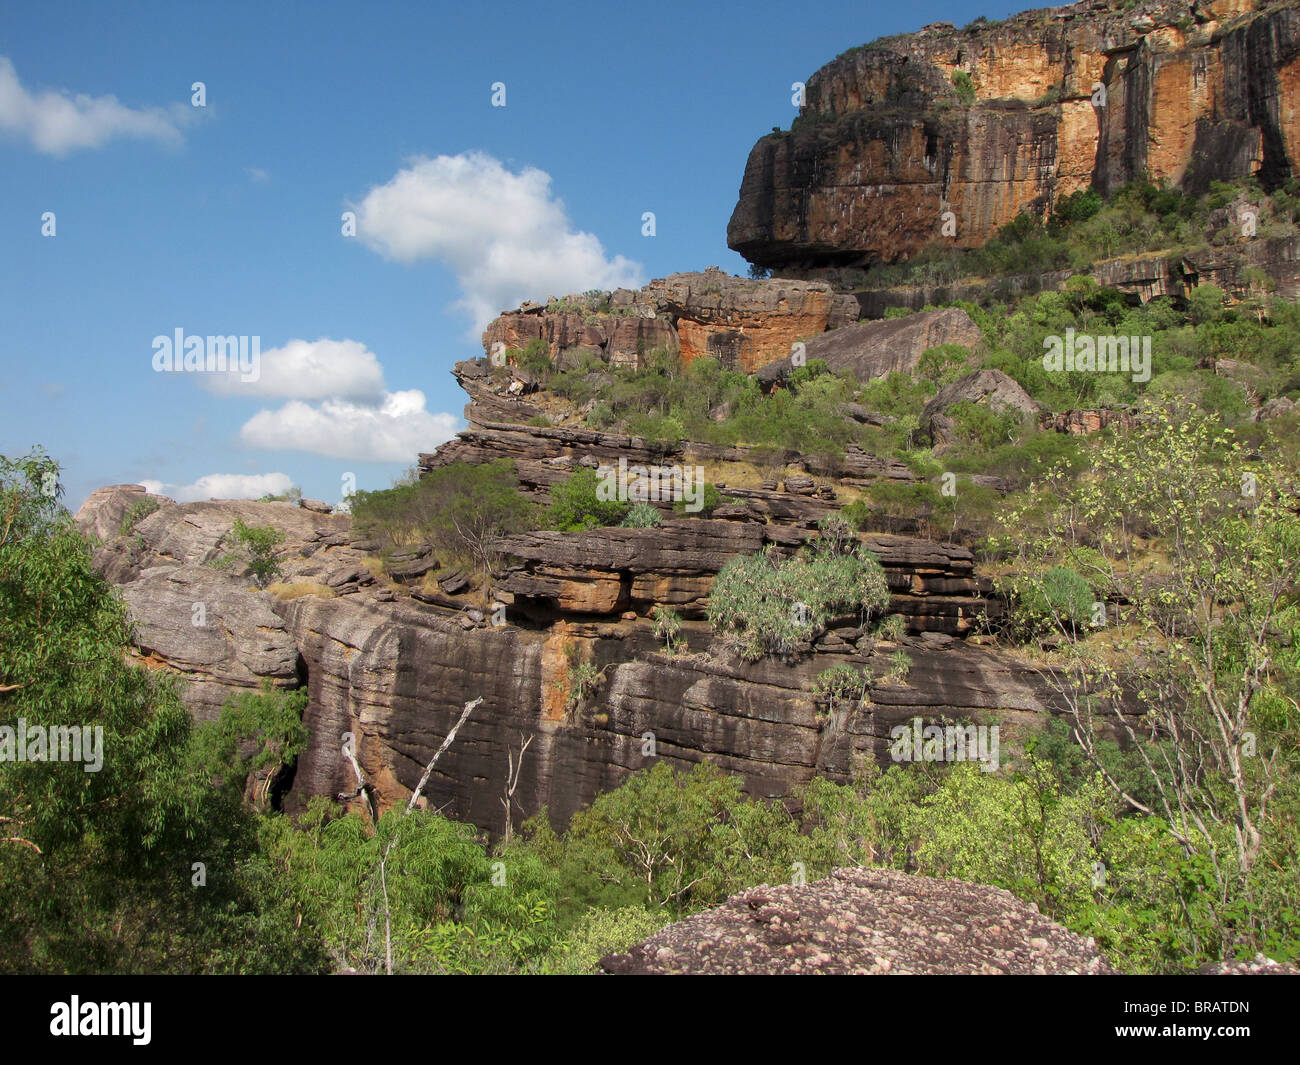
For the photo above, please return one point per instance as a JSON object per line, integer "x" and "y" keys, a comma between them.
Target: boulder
{"x": 866, "y": 922}
{"x": 992, "y": 388}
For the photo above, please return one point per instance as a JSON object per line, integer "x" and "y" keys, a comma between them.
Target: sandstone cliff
{"x": 743, "y": 324}
{"x": 1094, "y": 93}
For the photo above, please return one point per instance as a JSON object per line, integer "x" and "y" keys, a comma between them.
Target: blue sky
{"x": 226, "y": 219}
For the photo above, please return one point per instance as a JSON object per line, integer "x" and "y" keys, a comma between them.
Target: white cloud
{"x": 223, "y": 486}
{"x": 257, "y": 175}
{"x": 57, "y": 123}
{"x": 309, "y": 369}
{"x": 505, "y": 236}
{"x": 394, "y": 431}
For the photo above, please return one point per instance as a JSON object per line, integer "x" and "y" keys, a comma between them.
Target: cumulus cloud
{"x": 309, "y": 369}
{"x": 223, "y": 486}
{"x": 505, "y": 236}
{"x": 57, "y": 122}
{"x": 393, "y": 431}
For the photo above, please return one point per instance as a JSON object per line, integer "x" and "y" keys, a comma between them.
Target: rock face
{"x": 866, "y": 922}
{"x": 877, "y": 349}
{"x": 211, "y": 626}
{"x": 393, "y": 663}
{"x": 886, "y": 157}
{"x": 743, "y": 323}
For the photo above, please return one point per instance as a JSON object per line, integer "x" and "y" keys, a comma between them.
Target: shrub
{"x": 461, "y": 509}
{"x": 642, "y": 516}
{"x": 257, "y": 544}
{"x": 600, "y": 416}
{"x": 582, "y": 680}
{"x": 137, "y": 512}
{"x": 576, "y": 504}
{"x": 1078, "y": 206}
{"x": 668, "y": 626}
{"x": 961, "y": 81}
{"x": 900, "y": 665}
{"x": 535, "y": 357}
{"x": 760, "y": 606}
{"x": 1062, "y": 600}
{"x": 292, "y": 495}
{"x": 891, "y": 628}
{"x": 709, "y": 499}
{"x": 842, "y": 684}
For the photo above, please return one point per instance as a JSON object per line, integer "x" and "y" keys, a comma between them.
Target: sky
{"x": 129, "y": 212}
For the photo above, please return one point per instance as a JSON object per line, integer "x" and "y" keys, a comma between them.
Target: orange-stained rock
{"x": 886, "y": 158}
{"x": 744, "y": 323}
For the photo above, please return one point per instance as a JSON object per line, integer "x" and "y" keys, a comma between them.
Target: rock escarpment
{"x": 866, "y": 922}
{"x": 744, "y": 324}
{"x": 888, "y": 148}
{"x": 390, "y": 656}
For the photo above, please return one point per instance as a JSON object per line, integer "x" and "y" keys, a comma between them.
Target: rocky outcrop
{"x": 545, "y": 455}
{"x": 866, "y": 922}
{"x": 887, "y": 157}
{"x": 1234, "y": 267}
{"x": 1085, "y": 422}
{"x": 877, "y": 349}
{"x": 611, "y": 571}
{"x": 393, "y": 663}
{"x": 992, "y": 388}
{"x": 743, "y": 323}
{"x": 207, "y": 622}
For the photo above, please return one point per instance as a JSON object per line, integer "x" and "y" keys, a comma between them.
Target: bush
{"x": 582, "y": 680}
{"x": 257, "y": 544}
{"x": 709, "y": 499}
{"x": 841, "y": 685}
{"x": 1061, "y": 601}
{"x": 961, "y": 81}
{"x": 642, "y": 516}
{"x": 576, "y": 504}
{"x": 535, "y": 357}
{"x": 137, "y": 512}
{"x": 601, "y": 416}
{"x": 761, "y": 606}
{"x": 668, "y": 626}
{"x": 1078, "y": 206}
{"x": 460, "y": 509}
{"x": 891, "y": 628}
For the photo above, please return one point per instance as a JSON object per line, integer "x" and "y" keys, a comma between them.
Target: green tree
{"x": 257, "y": 544}
{"x": 1201, "y": 546}
{"x": 97, "y": 856}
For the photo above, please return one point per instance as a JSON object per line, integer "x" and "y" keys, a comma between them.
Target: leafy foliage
{"x": 576, "y": 504}
{"x": 257, "y": 545}
{"x": 461, "y": 509}
{"x": 761, "y": 605}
